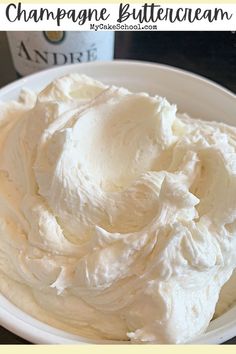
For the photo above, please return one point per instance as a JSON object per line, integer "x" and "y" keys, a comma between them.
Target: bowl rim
{"x": 23, "y": 80}
{"x": 18, "y": 321}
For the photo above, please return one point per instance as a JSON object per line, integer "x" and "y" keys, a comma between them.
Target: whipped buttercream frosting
{"x": 117, "y": 214}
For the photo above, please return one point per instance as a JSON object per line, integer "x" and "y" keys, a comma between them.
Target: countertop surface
{"x": 210, "y": 54}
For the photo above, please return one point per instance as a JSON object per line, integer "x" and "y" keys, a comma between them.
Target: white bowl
{"x": 193, "y": 94}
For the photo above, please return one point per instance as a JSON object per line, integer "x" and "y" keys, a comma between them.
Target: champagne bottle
{"x": 34, "y": 51}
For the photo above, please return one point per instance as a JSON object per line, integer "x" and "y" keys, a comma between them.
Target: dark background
{"x": 210, "y": 54}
